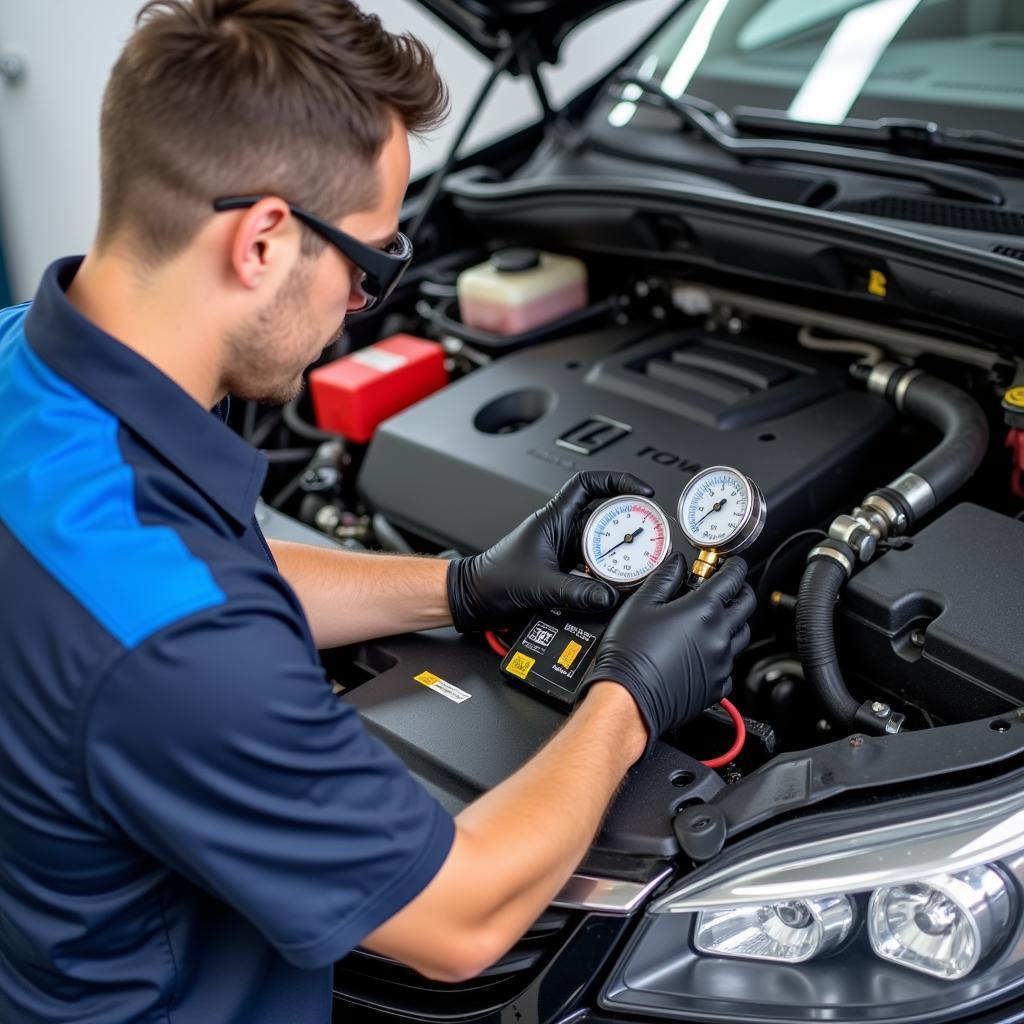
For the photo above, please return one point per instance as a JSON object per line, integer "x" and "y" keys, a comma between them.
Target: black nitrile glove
{"x": 528, "y": 569}
{"x": 675, "y": 655}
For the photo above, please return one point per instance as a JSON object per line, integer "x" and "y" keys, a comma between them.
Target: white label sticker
{"x": 441, "y": 686}
{"x": 542, "y": 634}
{"x": 379, "y": 359}
{"x": 451, "y": 692}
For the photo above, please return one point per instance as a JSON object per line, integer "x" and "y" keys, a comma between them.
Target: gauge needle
{"x": 714, "y": 508}
{"x": 628, "y": 539}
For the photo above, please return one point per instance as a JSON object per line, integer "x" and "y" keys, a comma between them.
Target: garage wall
{"x": 49, "y": 175}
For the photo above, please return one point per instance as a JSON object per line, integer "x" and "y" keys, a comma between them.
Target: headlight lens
{"x": 789, "y": 932}
{"x": 831, "y": 918}
{"x": 942, "y": 926}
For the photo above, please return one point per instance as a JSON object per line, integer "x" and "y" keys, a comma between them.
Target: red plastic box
{"x": 355, "y": 393}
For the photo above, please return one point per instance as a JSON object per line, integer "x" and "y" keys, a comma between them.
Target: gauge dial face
{"x": 715, "y": 508}
{"x": 625, "y": 540}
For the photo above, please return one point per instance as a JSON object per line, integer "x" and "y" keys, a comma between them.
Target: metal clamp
{"x": 901, "y": 388}
{"x": 916, "y": 491}
{"x": 873, "y": 521}
{"x": 895, "y": 521}
{"x": 881, "y": 374}
{"x": 857, "y": 534}
{"x": 828, "y": 551}
{"x": 873, "y": 713}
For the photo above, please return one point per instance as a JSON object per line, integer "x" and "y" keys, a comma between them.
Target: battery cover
{"x": 355, "y": 393}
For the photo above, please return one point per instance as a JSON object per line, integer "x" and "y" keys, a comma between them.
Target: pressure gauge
{"x": 721, "y": 512}
{"x": 625, "y": 540}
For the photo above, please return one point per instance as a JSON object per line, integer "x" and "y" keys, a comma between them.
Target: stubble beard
{"x": 266, "y": 357}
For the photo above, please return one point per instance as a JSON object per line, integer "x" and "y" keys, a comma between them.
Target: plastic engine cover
{"x": 939, "y": 623}
{"x": 467, "y": 464}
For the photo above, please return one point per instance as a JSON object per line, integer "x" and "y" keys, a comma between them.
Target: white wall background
{"x": 49, "y": 159}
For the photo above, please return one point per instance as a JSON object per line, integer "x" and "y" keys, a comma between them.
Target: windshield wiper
{"x": 723, "y": 132}
{"x": 900, "y": 134}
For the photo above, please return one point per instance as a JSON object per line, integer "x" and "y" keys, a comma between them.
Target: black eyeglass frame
{"x": 382, "y": 268}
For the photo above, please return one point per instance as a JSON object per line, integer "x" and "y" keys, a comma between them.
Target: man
{"x": 193, "y": 827}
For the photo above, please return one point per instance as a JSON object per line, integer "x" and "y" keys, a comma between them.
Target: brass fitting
{"x": 705, "y": 564}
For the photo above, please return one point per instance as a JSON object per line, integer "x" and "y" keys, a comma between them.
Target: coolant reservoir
{"x": 518, "y": 289}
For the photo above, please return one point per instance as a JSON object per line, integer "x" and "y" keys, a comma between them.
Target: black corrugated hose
{"x": 946, "y": 468}
{"x": 815, "y": 635}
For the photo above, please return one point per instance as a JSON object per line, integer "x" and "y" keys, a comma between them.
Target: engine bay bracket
{"x": 858, "y": 762}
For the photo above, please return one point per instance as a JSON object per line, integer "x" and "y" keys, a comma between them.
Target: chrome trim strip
{"x": 606, "y": 895}
{"x": 889, "y": 855}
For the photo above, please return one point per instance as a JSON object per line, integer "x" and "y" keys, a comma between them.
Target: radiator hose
{"x": 815, "y": 637}
{"x": 886, "y": 512}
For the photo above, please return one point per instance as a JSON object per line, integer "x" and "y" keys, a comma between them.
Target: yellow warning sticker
{"x": 568, "y": 656}
{"x": 442, "y": 686}
{"x": 878, "y": 283}
{"x": 1015, "y": 396}
{"x": 520, "y": 665}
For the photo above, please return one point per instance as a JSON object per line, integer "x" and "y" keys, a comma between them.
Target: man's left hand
{"x": 528, "y": 569}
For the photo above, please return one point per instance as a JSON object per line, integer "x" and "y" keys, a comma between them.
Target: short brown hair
{"x": 225, "y": 97}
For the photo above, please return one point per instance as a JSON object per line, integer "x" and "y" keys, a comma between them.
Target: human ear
{"x": 265, "y": 242}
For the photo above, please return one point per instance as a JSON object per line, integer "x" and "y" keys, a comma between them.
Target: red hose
{"x": 495, "y": 644}
{"x": 737, "y": 745}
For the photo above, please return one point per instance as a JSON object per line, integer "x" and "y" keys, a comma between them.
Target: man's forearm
{"x": 535, "y": 828}
{"x": 516, "y": 845}
{"x": 350, "y": 596}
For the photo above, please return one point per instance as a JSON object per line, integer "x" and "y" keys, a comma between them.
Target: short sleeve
{"x": 218, "y": 746}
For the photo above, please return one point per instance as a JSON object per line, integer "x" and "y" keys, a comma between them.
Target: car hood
{"x": 491, "y": 25}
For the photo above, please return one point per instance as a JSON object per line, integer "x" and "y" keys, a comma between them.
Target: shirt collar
{"x": 196, "y": 442}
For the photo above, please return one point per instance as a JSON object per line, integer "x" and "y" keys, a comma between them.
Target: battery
{"x": 553, "y": 653}
{"x": 354, "y": 394}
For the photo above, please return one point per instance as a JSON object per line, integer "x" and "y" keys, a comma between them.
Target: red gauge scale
{"x": 625, "y": 540}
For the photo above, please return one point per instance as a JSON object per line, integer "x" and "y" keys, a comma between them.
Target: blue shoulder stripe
{"x": 68, "y": 496}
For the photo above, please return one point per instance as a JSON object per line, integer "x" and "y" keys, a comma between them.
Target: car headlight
{"x": 791, "y": 931}
{"x": 831, "y": 918}
{"x": 942, "y": 926}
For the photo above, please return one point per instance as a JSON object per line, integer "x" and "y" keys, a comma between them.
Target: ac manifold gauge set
{"x": 721, "y": 512}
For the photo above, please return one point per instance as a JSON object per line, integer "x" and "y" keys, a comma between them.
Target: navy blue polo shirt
{"x": 192, "y": 826}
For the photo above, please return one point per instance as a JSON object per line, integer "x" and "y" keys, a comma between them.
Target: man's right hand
{"x": 517, "y": 844}
{"x": 674, "y": 654}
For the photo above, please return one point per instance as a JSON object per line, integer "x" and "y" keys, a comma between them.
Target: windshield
{"x": 956, "y": 62}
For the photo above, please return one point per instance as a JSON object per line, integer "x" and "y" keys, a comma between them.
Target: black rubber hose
{"x": 297, "y": 425}
{"x": 815, "y": 637}
{"x": 946, "y": 468}
{"x": 949, "y": 465}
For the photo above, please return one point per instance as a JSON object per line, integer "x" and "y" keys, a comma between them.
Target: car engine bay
{"x": 668, "y": 290}
{"x": 677, "y": 376}
{"x": 867, "y": 378}
{"x": 886, "y": 573}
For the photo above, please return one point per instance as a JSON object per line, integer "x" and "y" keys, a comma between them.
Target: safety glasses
{"x": 382, "y": 269}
